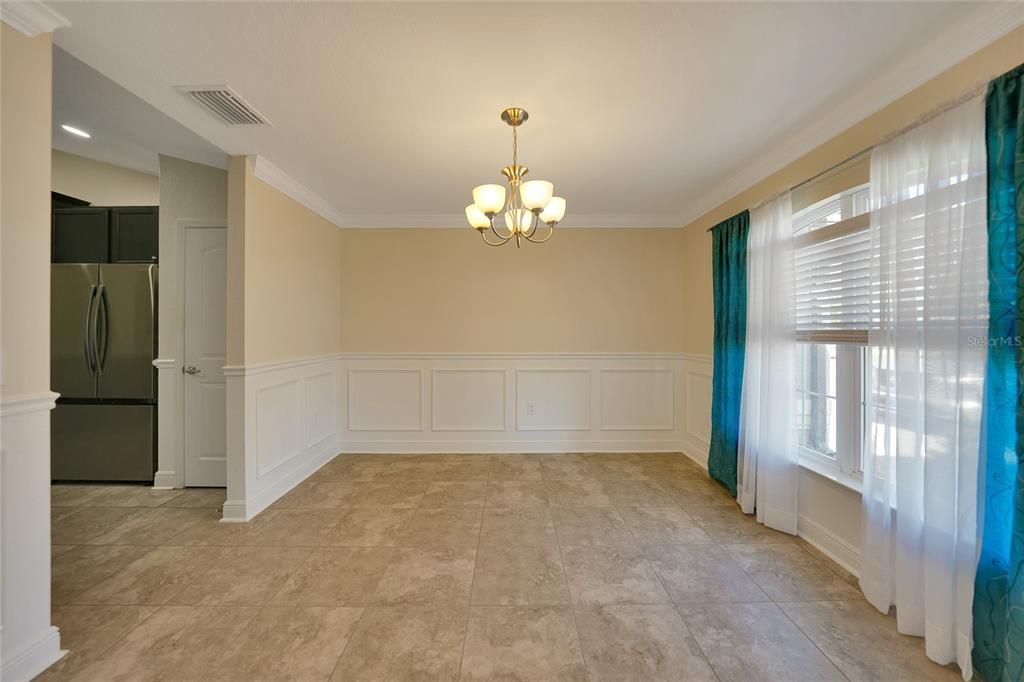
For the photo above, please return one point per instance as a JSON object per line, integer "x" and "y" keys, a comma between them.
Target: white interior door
{"x": 205, "y": 283}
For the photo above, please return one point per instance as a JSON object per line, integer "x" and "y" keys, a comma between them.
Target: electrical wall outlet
{"x": 531, "y": 408}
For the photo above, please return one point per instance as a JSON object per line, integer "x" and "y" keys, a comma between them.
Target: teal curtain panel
{"x": 729, "y": 264}
{"x": 999, "y": 588}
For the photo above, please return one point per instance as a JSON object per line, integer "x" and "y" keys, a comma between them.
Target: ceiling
{"x": 125, "y": 130}
{"x": 642, "y": 114}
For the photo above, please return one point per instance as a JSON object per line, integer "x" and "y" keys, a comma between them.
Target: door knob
{"x": 191, "y": 369}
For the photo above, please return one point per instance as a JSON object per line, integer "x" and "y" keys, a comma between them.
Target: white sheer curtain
{"x": 925, "y": 379}
{"x": 768, "y": 467}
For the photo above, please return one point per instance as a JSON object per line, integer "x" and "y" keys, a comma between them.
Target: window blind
{"x": 833, "y": 282}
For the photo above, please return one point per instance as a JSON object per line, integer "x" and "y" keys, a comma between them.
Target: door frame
{"x": 171, "y": 389}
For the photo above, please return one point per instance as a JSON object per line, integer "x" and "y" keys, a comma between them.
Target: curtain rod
{"x": 971, "y": 93}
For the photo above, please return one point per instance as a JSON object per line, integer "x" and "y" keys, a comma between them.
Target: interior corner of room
{"x": 246, "y": 326}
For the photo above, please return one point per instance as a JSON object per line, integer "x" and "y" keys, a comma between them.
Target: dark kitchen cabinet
{"x": 97, "y": 234}
{"x": 135, "y": 234}
{"x": 81, "y": 235}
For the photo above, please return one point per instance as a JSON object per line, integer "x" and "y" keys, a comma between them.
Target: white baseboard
{"x": 34, "y": 659}
{"x": 416, "y": 447}
{"x": 165, "y": 480}
{"x": 830, "y": 544}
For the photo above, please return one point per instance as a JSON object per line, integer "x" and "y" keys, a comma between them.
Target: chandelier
{"x": 530, "y": 203}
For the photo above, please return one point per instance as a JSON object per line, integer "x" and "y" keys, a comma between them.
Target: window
{"x": 832, "y": 262}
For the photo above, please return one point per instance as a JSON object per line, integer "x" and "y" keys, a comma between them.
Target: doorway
{"x": 204, "y": 357}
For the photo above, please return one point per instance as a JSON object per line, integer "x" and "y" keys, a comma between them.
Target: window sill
{"x": 832, "y": 474}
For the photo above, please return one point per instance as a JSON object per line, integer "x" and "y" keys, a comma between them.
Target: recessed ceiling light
{"x": 75, "y": 131}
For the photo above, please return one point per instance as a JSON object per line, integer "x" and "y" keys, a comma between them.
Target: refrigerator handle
{"x": 102, "y": 333}
{"x": 90, "y": 356}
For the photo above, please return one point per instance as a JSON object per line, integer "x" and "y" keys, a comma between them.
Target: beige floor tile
{"x": 516, "y": 525}
{"x": 864, "y": 643}
{"x": 341, "y": 576}
{"x": 592, "y": 526}
{"x": 431, "y": 528}
{"x": 609, "y": 575}
{"x": 404, "y": 644}
{"x": 664, "y": 526}
{"x": 562, "y": 469}
{"x": 514, "y": 468}
{"x": 135, "y": 496}
{"x": 442, "y": 494}
{"x": 76, "y": 495}
{"x": 210, "y": 531}
{"x": 155, "y": 577}
{"x": 87, "y": 632}
{"x": 345, "y": 469}
{"x": 726, "y": 524}
{"x": 57, "y": 550}
{"x": 702, "y": 574}
{"x": 287, "y": 643}
{"x": 638, "y": 494}
{"x": 463, "y": 469}
{"x": 85, "y": 566}
{"x": 368, "y": 527}
{"x": 520, "y": 575}
{"x": 578, "y": 493}
{"x": 427, "y": 576}
{"x": 152, "y": 527}
{"x": 290, "y": 528}
{"x": 788, "y": 573}
{"x": 699, "y": 492}
{"x": 615, "y": 470}
{"x": 511, "y": 493}
{"x": 198, "y": 498}
{"x": 316, "y": 495}
{"x": 829, "y": 562}
{"x": 397, "y": 495}
{"x": 648, "y": 643}
{"x": 746, "y": 642}
{"x": 527, "y": 644}
{"x": 89, "y": 523}
{"x": 248, "y": 576}
{"x": 177, "y": 643}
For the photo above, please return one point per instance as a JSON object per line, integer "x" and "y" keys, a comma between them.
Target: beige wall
{"x": 25, "y": 215}
{"x": 995, "y": 59}
{"x": 290, "y": 266}
{"x": 103, "y": 184}
{"x": 444, "y": 290}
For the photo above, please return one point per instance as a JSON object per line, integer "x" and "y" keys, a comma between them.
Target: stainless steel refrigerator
{"x": 102, "y": 346}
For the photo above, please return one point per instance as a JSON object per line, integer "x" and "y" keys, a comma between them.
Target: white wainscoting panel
{"x": 553, "y": 399}
{"x": 638, "y": 399}
{"x": 543, "y": 402}
{"x": 385, "y": 399}
{"x": 467, "y": 399}
{"x": 286, "y": 416}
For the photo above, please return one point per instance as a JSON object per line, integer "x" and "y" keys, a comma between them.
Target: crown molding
{"x": 31, "y": 18}
{"x": 458, "y": 221}
{"x": 942, "y": 52}
{"x": 278, "y": 179}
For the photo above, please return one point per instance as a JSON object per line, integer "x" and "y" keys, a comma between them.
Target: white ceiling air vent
{"x": 225, "y": 104}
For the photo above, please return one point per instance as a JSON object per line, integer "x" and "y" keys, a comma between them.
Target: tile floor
{"x": 469, "y": 567}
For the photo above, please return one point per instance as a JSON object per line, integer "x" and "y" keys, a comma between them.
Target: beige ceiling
{"x": 642, "y": 114}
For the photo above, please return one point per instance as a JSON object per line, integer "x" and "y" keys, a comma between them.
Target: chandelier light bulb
{"x": 477, "y": 218}
{"x": 489, "y": 198}
{"x": 519, "y": 222}
{"x": 536, "y": 194}
{"x": 554, "y": 211}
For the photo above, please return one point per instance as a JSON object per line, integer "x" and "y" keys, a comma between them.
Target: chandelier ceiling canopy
{"x": 529, "y": 203}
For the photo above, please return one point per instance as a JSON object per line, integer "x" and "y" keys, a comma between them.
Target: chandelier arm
{"x": 499, "y": 235}
{"x": 483, "y": 234}
{"x": 551, "y": 229}
{"x": 533, "y": 229}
